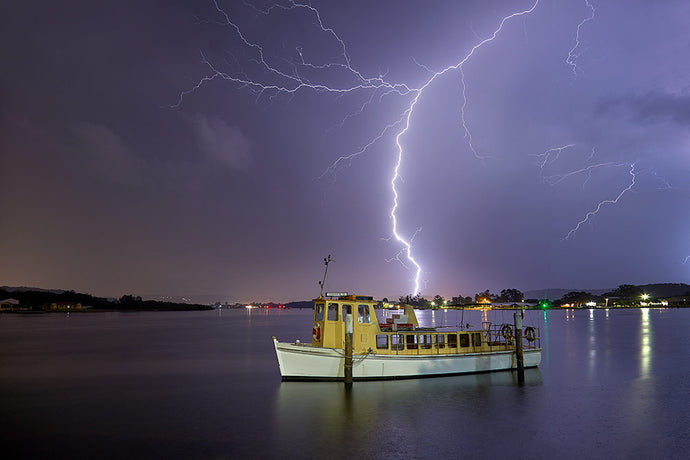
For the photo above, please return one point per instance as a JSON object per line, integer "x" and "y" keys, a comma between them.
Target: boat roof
{"x": 350, "y": 297}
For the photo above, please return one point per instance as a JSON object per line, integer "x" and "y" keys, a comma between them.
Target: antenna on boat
{"x": 322, "y": 283}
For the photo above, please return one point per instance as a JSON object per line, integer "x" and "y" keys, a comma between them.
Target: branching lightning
{"x": 401, "y": 252}
{"x": 557, "y": 178}
{"x": 550, "y": 156}
{"x": 571, "y": 60}
{"x": 593, "y": 213}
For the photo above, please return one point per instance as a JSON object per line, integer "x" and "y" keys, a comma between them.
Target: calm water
{"x": 611, "y": 384}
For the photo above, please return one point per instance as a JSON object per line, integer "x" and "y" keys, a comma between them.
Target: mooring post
{"x": 518, "y": 347}
{"x": 348, "y": 349}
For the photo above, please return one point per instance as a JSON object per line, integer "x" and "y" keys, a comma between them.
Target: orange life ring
{"x": 316, "y": 332}
{"x": 507, "y": 332}
{"x": 529, "y": 333}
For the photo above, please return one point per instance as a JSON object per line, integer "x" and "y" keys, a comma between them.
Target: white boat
{"x": 398, "y": 348}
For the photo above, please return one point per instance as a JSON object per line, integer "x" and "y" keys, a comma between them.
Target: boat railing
{"x": 501, "y": 335}
{"x": 495, "y": 337}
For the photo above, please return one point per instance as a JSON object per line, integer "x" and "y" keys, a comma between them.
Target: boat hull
{"x": 305, "y": 362}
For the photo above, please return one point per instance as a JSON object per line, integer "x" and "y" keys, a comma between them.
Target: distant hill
{"x": 300, "y": 304}
{"x": 666, "y": 289}
{"x": 36, "y": 299}
{"x": 557, "y": 293}
{"x": 24, "y": 288}
{"x": 654, "y": 290}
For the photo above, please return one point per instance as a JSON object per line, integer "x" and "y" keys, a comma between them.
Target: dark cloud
{"x": 651, "y": 107}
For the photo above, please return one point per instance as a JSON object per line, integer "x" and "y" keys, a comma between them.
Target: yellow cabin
{"x": 401, "y": 335}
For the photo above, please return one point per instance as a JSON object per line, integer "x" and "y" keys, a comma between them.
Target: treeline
{"x": 505, "y": 296}
{"x": 37, "y": 300}
{"x": 624, "y": 295}
{"x": 630, "y": 294}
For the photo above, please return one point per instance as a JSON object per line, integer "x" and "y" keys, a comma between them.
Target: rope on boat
{"x": 360, "y": 358}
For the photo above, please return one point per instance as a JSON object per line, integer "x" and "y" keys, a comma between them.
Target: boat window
{"x": 332, "y": 312}
{"x": 347, "y": 310}
{"x": 440, "y": 341}
{"x": 363, "y": 313}
{"x": 318, "y": 312}
{"x": 453, "y": 340}
{"x": 476, "y": 339}
{"x": 397, "y": 342}
{"x": 425, "y": 341}
{"x": 382, "y": 342}
{"x": 464, "y": 340}
{"x": 411, "y": 341}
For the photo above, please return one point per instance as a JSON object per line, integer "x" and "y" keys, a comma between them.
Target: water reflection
{"x": 645, "y": 343}
{"x": 324, "y": 417}
{"x": 195, "y": 385}
{"x": 592, "y": 343}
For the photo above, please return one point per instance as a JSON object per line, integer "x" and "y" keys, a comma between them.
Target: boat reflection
{"x": 333, "y": 415}
{"x": 334, "y": 398}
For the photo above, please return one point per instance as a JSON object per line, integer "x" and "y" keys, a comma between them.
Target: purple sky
{"x": 114, "y": 183}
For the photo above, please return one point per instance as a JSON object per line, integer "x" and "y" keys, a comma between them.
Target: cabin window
{"x": 464, "y": 340}
{"x": 318, "y": 312}
{"x": 440, "y": 341}
{"x": 397, "y": 342}
{"x": 411, "y": 341}
{"x": 332, "y": 312}
{"x": 347, "y": 310}
{"x": 382, "y": 342}
{"x": 425, "y": 341}
{"x": 453, "y": 340}
{"x": 476, "y": 339}
{"x": 363, "y": 313}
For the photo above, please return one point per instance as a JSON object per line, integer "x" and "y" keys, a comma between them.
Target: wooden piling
{"x": 348, "y": 349}
{"x": 519, "y": 356}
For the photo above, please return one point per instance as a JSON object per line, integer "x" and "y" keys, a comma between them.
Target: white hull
{"x": 304, "y": 362}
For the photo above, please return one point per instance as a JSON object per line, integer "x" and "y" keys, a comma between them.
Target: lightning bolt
{"x": 571, "y": 60}
{"x": 406, "y": 120}
{"x": 593, "y": 213}
{"x": 410, "y": 112}
{"x": 275, "y": 80}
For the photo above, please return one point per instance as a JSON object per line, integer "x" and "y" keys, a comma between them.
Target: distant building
{"x": 9, "y": 304}
{"x": 61, "y": 306}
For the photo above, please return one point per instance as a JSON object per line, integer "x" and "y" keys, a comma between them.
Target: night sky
{"x": 173, "y": 148}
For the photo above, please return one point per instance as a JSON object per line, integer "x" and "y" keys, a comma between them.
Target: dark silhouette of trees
{"x": 577, "y": 298}
{"x": 460, "y": 300}
{"x": 511, "y": 295}
{"x": 484, "y": 297}
{"x": 626, "y": 291}
{"x": 438, "y": 301}
{"x": 414, "y": 300}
